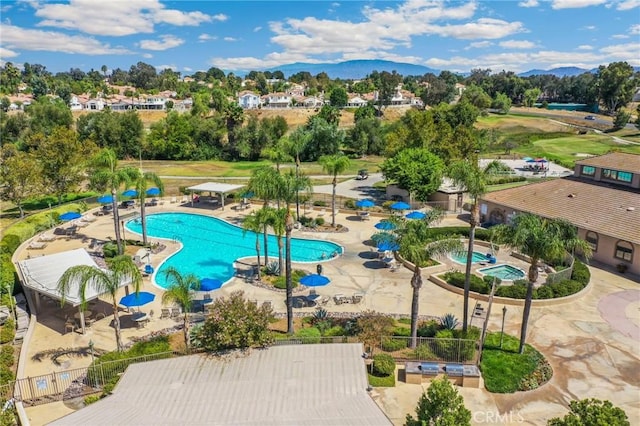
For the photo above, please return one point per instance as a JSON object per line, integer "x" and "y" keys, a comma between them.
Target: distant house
{"x": 356, "y": 101}
{"x": 75, "y": 104}
{"x": 296, "y": 90}
{"x": 151, "y": 104}
{"x": 277, "y": 100}
{"x": 249, "y": 100}
{"x": 94, "y": 105}
{"x": 312, "y": 102}
{"x": 120, "y": 106}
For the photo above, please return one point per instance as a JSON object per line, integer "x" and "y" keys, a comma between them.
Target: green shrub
{"x": 306, "y": 220}
{"x": 6, "y": 375}
{"x": 424, "y": 352}
{"x": 580, "y": 273}
{"x": 350, "y": 204}
{"x": 477, "y": 284}
{"x": 462, "y": 231}
{"x": 382, "y": 382}
{"x": 428, "y": 328}
{"x": 544, "y": 292}
{"x": 336, "y": 330}
{"x": 319, "y": 221}
{"x": 8, "y": 276}
{"x": 393, "y": 345}
{"x": 7, "y": 357}
{"x": 110, "y": 250}
{"x": 516, "y": 291}
{"x": 8, "y": 331}
{"x": 320, "y": 203}
{"x": 309, "y": 335}
{"x": 281, "y": 283}
{"x": 90, "y": 399}
{"x": 406, "y": 321}
{"x": 9, "y": 243}
{"x": 383, "y": 365}
{"x": 402, "y": 331}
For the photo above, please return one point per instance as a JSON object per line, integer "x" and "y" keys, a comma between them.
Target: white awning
{"x": 220, "y": 188}
{"x": 42, "y": 274}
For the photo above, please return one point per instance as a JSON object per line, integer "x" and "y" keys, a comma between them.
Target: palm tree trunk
{"x": 116, "y": 326}
{"x": 266, "y": 246}
{"x": 333, "y": 202}
{"x": 416, "y": 284}
{"x": 467, "y": 275}
{"x": 280, "y": 256}
{"x": 143, "y": 221}
{"x": 116, "y": 221}
{"x": 288, "y": 228}
{"x": 186, "y": 331}
{"x": 258, "y": 253}
{"x": 533, "y": 276}
{"x": 297, "y": 192}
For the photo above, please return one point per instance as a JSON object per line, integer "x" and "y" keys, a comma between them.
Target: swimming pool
{"x": 461, "y": 257}
{"x": 504, "y": 272}
{"x": 211, "y": 245}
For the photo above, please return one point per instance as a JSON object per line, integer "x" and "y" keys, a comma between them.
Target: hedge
{"x": 462, "y": 231}
{"x": 309, "y": 335}
{"x": 383, "y": 365}
{"x": 477, "y": 284}
{"x": 8, "y": 331}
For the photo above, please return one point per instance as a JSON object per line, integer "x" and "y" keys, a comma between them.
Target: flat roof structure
{"x": 281, "y": 385}
{"x": 614, "y": 160}
{"x": 588, "y": 205}
{"x": 219, "y": 188}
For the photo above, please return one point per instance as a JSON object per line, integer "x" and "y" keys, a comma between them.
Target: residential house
{"x": 356, "y": 101}
{"x": 94, "y": 105}
{"x": 249, "y": 100}
{"x": 75, "y": 104}
{"x": 277, "y": 100}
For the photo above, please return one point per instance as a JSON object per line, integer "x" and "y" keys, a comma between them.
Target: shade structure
{"x": 130, "y": 193}
{"x": 527, "y": 158}
{"x": 400, "y": 205}
{"x": 137, "y": 299}
{"x": 70, "y": 216}
{"x": 385, "y": 225}
{"x": 365, "y": 203}
{"x": 388, "y": 246}
{"x": 541, "y": 160}
{"x": 105, "y": 199}
{"x": 314, "y": 280}
{"x": 208, "y": 284}
{"x": 153, "y": 191}
{"x": 530, "y": 160}
{"x": 416, "y": 215}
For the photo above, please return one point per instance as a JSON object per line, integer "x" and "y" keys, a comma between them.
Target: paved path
{"x": 353, "y": 188}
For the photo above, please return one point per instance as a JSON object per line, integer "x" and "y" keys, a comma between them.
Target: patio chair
{"x": 176, "y": 312}
{"x": 165, "y": 313}
{"x": 357, "y": 297}
{"x": 35, "y": 245}
{"x": 69, "y": 326}
{"x": 47, "y": 238}
{"x": 173, "y": 200}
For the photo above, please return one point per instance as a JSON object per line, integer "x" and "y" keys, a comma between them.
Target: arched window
{"x": 592, "y": 240}
{"x": 624, "y": 251}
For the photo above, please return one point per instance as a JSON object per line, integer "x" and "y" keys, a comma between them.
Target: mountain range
{"x": 356, "y": 69}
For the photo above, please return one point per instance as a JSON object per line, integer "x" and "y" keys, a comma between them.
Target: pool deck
{"x": 590, "y": 356}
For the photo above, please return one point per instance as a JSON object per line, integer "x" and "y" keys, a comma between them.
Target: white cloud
{"x": 256, "y": 29}
{"x": 517, "y": 44}
{"x": 623, "y": 52}
{"x": 6, "y": 53}
{"x": 528, "y": 3}
{"x": 166, "y": 67}
{"x": 167, "y": 42}
{"x": 479, "y": 45}
{"x": 147, "y": 55}
{"x": 220, "y": 17}
{"x": 187, "y": 69}
{"x": 335, "y": 4}
{"x": 575, "y": 4}
{"x": 589, "y": 27}
{"x": 230, "y": 39}
{"x": 585, "y": 47}
{"x": 206, "y": 37}
{"x": 27, "y": 39}
{"x": 115, "y": 18}
{"x": 634, "y": 29}
{"x": 619, "y": 36}
{"x": 628, "y": 4}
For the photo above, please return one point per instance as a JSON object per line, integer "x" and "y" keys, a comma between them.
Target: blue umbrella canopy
{"x": 416, "y": 215}
{"x": 314, "y": 280}
{"x": 385, "y": 225}
{"x": 527, "y": 158}
{"x": 400, "y": 205}
{"x": 208, "y": 284}
{"x": 130, "y": 193}
{"x": 153, "y": 191}
{"x": 70, "y": 216}
{"x": 365, "y": 203}
{"x": 530, "y": 160}
{"x": 137, "y": 299}
{"x": 247, "y": 194}
{"x": 388, "y": 245}
{"x": 105, "y": 199}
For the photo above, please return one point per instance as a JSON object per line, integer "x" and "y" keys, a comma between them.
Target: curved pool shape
{"x": 504, "y": 272}
{"x": 211, "y": 245}
{"x": 461, "y": 257}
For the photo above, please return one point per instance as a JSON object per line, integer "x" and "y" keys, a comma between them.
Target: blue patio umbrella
{"x": 247, "y": 194}
{"x": 69, "y": 216}
{"x": 365, "y": 203}
{"x": 130, "y": 193}
{"x": 314, "y": 280}
{"x": 388, "y": 245}
{"x": 137, "y": 299}
{"x": 527, "y": 158}
{"x": 208, "y": 284}
{"x": 400, "y": 205}
{"x": 385, "y": 225}
{"x": 105, "y": 199}
{"x": 153, "y": 191}
{"x": 530, "y": 160}
{"x": 416, "y": 215}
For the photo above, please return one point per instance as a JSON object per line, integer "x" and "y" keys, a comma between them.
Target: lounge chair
{"x": 322, "y": 212}
{"x": 88, "y": 219}
{"x": 165, "y": 313}
{"x": 47, "y": 238}
{"x": 35, "y": 245}
{"x": 173, "y": 200}
{"x": 357, "y": 297}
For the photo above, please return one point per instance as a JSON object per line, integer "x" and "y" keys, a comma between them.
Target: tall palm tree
{"x": 121, "y": 270}
{"x": 181, "y": 290}
{"x": 253, "y": 223}
{"x": 334, "y": 165}
{"x": 296, "y": 143}
{"x": 278, "y": 224}
{"x": 540, "y": 239}
{"x": 417, "y": 247}
{"x": 108, "y": 175}
{"x": 277, "y": 153}
{"x": 264, "y": 184}
{"x": 141, "y": 181}
{"x": 473, "y": 180}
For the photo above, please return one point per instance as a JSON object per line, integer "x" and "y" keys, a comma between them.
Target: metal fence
{"x": 429, "y": 349}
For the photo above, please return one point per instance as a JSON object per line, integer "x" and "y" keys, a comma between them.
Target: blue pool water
{"x": 504, "y": 272}
{"x": 461, "y": 257}
{"x": 211, "y": 245}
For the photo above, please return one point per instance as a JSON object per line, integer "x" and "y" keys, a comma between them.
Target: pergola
{"x": 41, "y": 275}
{"x": 214, "y": 188}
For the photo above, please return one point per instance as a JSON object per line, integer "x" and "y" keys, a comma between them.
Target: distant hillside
{"x": 563, "y": 71}
{"x": 356, "y": 69}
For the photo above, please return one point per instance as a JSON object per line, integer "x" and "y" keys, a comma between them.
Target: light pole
{"x": 504, "y": 314}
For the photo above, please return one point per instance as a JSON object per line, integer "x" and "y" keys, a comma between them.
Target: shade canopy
{"x": 541, "y": 160}
{"x": 365, "y": 203}
{"x": 70, "y": 216}
{"x": 216, "y": 187}
{"x": 137, "y": 299}
{"x": 130, "y": 193}
{"x": 314, "y": 280}
{"x": 153, "y": 191}
{"x": 400, "y": 205}
{"x": 208, "y": 284}
{"x": 416, "y": 215}
{"x": 527, "y": 158}
{"x": 388, "y": 246}
{"x": 247, "y": 194}
{"x": 105, "y": 199}
{"x": 385, "y": 225}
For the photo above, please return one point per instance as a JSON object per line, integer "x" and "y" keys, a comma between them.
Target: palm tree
{"x": 540, "y": 239}
{"x": 473, "y": 180}
{"x": 141, "y": 182}
{"x": 264, "y": 184}
{"x": 277, "y": 153}
{"x": 334, "y": 165}
{"x": 181, "y": 291}
{"x": 417, "y": 247}
{"x": 109, "y": 175}
{"x": 296, "y": 143}
{"x": 278, "y": 224}
{"x": 121, "y": 270}
{"x": 252, "y": 223}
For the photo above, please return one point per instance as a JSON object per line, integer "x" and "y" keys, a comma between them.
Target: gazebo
{"x": 41, "y": 275}
{"x": 214, "y": 188}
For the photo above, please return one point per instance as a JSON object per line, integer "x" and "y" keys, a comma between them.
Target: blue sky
{"x": 188, "y": 36}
